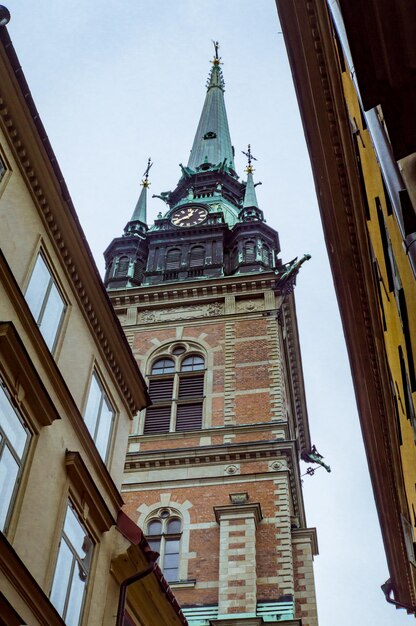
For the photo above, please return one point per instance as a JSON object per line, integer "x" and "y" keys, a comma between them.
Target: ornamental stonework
{"x": 181, "y": 313}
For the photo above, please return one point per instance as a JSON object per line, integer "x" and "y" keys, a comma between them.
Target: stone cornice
{"x": 226, "y": 453}
{"x": 238, "y": 511}
{"x": 207, "y": 289}
{"x": 213, "y": 431}
{"x": 300, "y": 535}
{"x": 28, "y": 140}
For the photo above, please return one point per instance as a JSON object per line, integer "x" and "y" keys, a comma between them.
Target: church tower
{"x": 212, "y": 471}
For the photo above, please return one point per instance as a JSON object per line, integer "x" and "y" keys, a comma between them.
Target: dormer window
{"x": 197, "y": 256}
{"x": 210, "y": 135}
{"x": 249, "y": 252}
{"x": 173, "y": 259}
{"x": 122, "y": 266}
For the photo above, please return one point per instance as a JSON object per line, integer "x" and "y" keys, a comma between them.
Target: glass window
{"x": 192, "y": 363}
{"x": 3, "y": 169}
{"x": 164, "y": 536}
{"x": 99, "y": 416}
{"x": 45, "y": 302}
{"x": 72, "y": 569}
{"x": 14, "y": 439}
{"x": 176, "y": 388}
{"x": 163, "y": 366}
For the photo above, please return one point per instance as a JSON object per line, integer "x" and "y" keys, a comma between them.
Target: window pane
{"x": 172, "y": 546}
{"x": 174, "y": 526}
{"x": 163, "y": 366}
{"x": 154, "y": 528}
{"x": 192, "y": 363}
{"x": 75, "y": 599}
{"x": 71, "y": 573}
{"x": 9, "y": 470}
{"x": 154, "y": 544}
{"x": 170, "y": 574}
{"x": 93, "y": 405}
{"x": 61, "y": 577}
{"x": 104, "y": 428}
{"x": 11, "y": 425}
{"x": 36, "y": 291}
{"x": 52, "y": 315}
{"x": 75, "y": 532}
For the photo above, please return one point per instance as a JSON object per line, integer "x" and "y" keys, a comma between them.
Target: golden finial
{"x": 249, "y": 169}
{"x": 145, "y": 182}
{"x": 216, "y": 60}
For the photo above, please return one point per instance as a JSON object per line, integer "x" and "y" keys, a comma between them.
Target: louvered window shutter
{"x": 250, "y": 252}
{"x": 191, "y": 387}
{"x": 173, "y": 259}
{"x": 189, "y": 416}
{"x": 197, "y": 256}
{"x": 158, "y": 417}
{"x": 138, "y": 270}
{"x": 157, "y": 420}
{"x": 160, "y": 390}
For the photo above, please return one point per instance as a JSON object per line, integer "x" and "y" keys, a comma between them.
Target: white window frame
{"x": 15, "y": 451}
{"x": 94, "y": 414}
{"x": 40, "y": 306}
{"x": 77, "y": 566}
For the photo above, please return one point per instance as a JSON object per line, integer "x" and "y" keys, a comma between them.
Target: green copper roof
{"x": 212, "y": 143}
{"x": 250, "y": 198}
{"x": 140, "y": 212}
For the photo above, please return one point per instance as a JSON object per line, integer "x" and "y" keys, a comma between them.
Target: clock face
{"x": 189, "y": 216}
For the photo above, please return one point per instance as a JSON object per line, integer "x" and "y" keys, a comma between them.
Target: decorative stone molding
{"x": 180, "y": 313}
{"x": 87, "y": 295}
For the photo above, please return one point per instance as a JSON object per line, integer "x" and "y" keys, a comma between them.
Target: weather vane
{"x": 249, "y": 169}
{"x": 217, "y": 59}
{"x": 145, "y": 181}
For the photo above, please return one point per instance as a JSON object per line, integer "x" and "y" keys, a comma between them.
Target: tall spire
{"x": 250, "y": 211}
{"x": 250, "y": 198}
{"x": 138, "y": 221}
{"x": 212, "y": 143}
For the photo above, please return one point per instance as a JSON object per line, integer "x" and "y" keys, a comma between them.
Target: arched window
{"x": 122, "y": 266}
{"x": 173, "y": 259}
{"x": 266, "y": 255}
{"x": 249, "y": 252}
{"x": 176, "y": 388}
{"x": 197, "y": 256}
{"x": 163, "y": 533}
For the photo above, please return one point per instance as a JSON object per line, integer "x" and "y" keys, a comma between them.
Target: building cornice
{"x": 40, "y": 170}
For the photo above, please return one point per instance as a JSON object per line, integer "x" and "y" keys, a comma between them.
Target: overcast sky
{"x": 117, "y": 81}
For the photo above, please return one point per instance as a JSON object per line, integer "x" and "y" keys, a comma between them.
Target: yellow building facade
{"x": 69, "y": 388}
{"x": 354, "y": 76}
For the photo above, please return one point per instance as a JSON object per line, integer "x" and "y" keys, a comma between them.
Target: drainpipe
{"x": 387, "y": 588}
{"x": 121, "y": 611}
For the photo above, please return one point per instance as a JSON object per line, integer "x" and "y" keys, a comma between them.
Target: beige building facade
{"x": 69, "y": 388}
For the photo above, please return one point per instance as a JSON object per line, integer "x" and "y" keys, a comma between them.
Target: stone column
{"x": 237, "y": 576}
